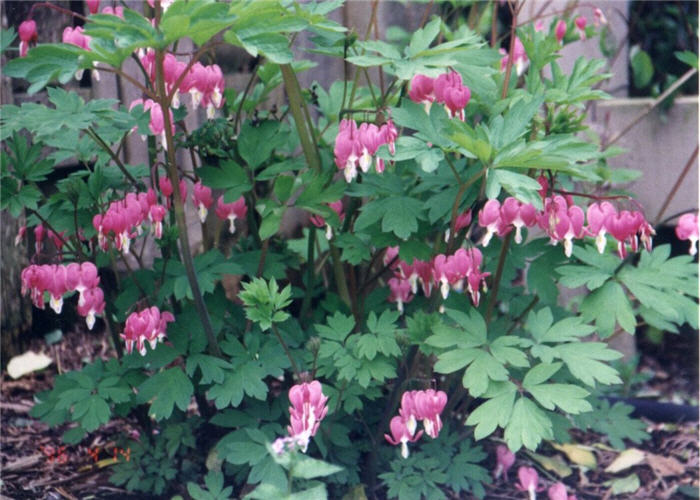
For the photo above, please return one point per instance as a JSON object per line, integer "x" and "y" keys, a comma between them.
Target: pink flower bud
{"x": 27, "y": 31}
{"x": 560, "y": 31}
{"x": 93, "y": 6}
{"x": 581, "y": 22}
{"x": 27, "y": 35}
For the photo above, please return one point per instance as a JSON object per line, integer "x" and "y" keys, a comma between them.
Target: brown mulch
{"x": 33, "y": 464}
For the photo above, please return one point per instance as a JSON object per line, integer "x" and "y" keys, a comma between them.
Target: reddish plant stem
{"x": 178, "y": 206}
{"x": 49, "y": 5}
{"x": 677, "y": 185}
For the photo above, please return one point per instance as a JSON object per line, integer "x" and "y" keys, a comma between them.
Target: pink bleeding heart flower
{"x": 195, "y": 83}
{"x": 408, "y": 412}
{"x": 27, "y": 36}
{"x": 623, "y": 226}
{"x": 400, "y": 435}
{"x": 400, "y": 292}
{"x": 318, "y": 221}
{"x": 596, "y": 215}
{"x": 490, "y": 218}
{"x": 231, "y": 211}
{"x": 428, "y": 406}
{"x": 558, "y": 492}
{"x": 32, "y": 283}
{"x": 202, "y": 199}
{"x": 75, "y": 36}
{"x": 539, "y": 26}
{"x": 166, "y": 187}
{"x": 687, "y": 229}
{"x": 504, "y": 461}
{"x": 389, "y": 135}
{"x": 461, "y": 221}
{"x": 307, "y": 410}
{"x": 519, "y": 215}
{"x": 580, "y": 23}
{"x": 54, "y": 281}
{"x": 560, "y": 31}
{"x": 450, "y": 91}
{"x": 561, "y": 222}
{"x": 81, "y": 277}
{"x": 456, "y": 99}
{"x": 213, "y": 89}
{"x": 93, "y": 304}
{"x": 424, "y": 272}
{"x": 156, "y": 214}
{"x": 528, "y": 481}
{"x": 519, "y": 57}
{"x": 172, "y": 68}
{"x": 370, "y": 139}
{"x": 347, "y": 149}
{"x": 421, "y": 90}
{"x": 146, "y": 326}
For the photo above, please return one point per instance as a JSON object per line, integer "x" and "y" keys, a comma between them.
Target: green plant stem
{"x": 391, "y": 404}
{"x": 356, "y": 79}
{"x": 497, "y": 278}
{"x": 310, "y": 247}
{"x": 248, "y": 86}
{"x": 296, "y": 107}
{"x": 178, "y": 205}
{"x": 284, "y": 345}
{"x": 339, "y": 274}
{"x": 458, "y": 199}
{"x": 517, "y": 320}
{"x": 93, "y": 135}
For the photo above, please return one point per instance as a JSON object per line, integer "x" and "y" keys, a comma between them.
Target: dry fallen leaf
{"x": 554, "y": 464}
{"x": 665, "y": 466}
{"x": 625, "y": 460}
{"x": 27, "y": 363}
{"x": 580, "y": 455}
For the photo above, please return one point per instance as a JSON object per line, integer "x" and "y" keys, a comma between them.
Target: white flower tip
{"x": 90, "y": 320}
